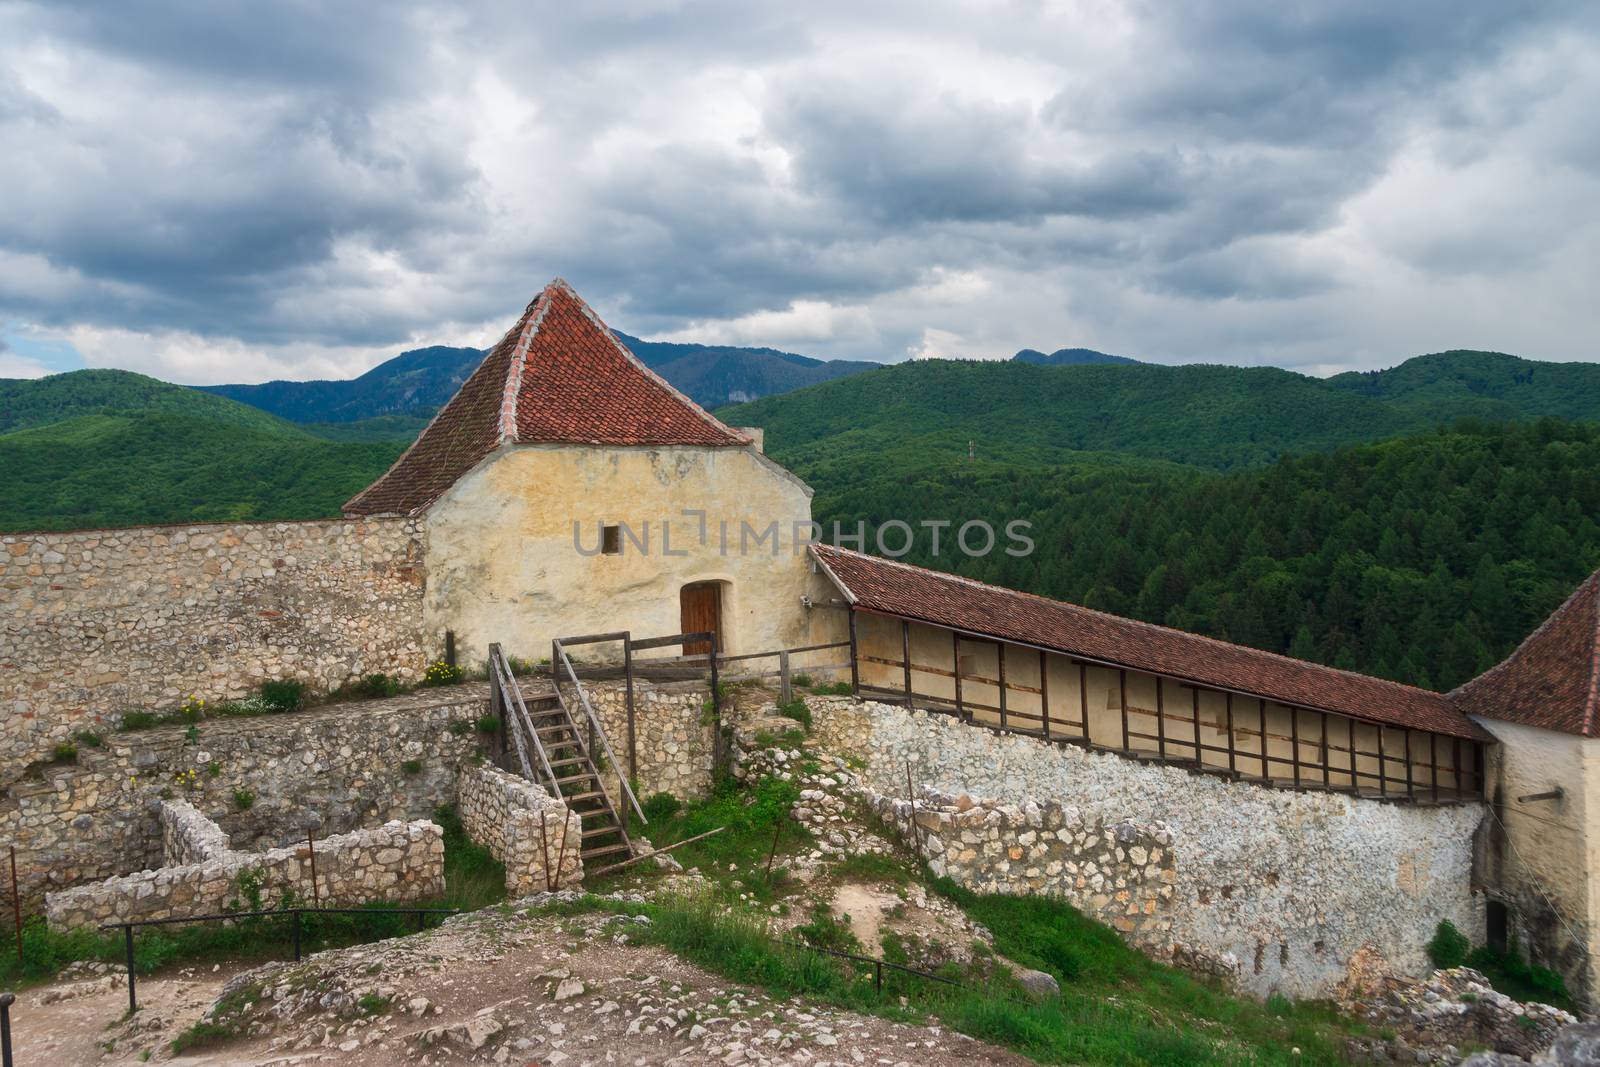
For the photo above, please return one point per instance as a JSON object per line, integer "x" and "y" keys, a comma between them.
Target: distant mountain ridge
{"x": 415, "y": 384}
{"x": 1068, "y": 357}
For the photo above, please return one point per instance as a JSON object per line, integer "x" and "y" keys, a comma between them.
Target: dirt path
{"x": 82, "y": 1021}
{"x": 488, "y": 988}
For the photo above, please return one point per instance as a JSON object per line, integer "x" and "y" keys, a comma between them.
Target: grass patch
{"x": 369, "y": 687}
{"x": 832, "y": 689}
{"x": 749, "y": 815}
{"x": 1514, "y": 976}
{"x": 797, "y": 710}
{"x": 1123, "y": 1029}
{"x": 873, "y": 867}
{"x": 489, "y": 724}
{"x": 243, "y": 800}
{"x": 473, "y": 878}
{"x": 411, "y": 766}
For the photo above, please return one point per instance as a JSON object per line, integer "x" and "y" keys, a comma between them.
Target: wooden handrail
{"x": 599, "y": 730}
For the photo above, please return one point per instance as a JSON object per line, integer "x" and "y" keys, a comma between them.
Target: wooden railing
{"x": 1362, "y": 756}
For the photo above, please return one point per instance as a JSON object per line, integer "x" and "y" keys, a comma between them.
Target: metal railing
{"x": 294, "y": 915}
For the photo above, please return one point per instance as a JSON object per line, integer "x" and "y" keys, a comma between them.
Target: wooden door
{"x": 700, "y": 611}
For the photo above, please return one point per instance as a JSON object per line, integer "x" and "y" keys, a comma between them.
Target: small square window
{"x": 611, "y": 540}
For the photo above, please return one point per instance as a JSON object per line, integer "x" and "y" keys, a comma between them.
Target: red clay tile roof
{"x": 1552, "y": 680}
{"x": 559, "y": 376}
{"x": 887, "y": 587}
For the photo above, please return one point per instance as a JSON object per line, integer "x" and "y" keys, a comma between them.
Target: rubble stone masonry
{"x": 95, "y": 622}
{"x": 1276, "y": 890}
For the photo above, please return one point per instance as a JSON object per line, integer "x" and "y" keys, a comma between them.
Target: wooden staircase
{"x": 554, "y": 750}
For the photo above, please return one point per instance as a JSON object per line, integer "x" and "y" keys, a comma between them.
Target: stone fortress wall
{"x": 93, "y": 622}
{"x": 396, "y": 862}
{"x": 1275, "y": 889}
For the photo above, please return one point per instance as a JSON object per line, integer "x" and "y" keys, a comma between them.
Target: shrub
{"x": 489, "y": 724}
{"x": 804, "y": 681}
{"x": 797, "y": 710}
{"x": 460, "y": 727}
{"x": 283, "y": 696}
{"x": 412, "y": 766}
{"x": 369, "y": 687}
{"x": 85, "y": 737}
{"x": 832, "y": 689}
{"x": 661, "y": 806}
{"x": 441, "y": 673}
{"x": 137, "y": 720}
{"x": 243, "y": 799}
{"x": 1449, "y": 946}
{"x": 65, "y": 752}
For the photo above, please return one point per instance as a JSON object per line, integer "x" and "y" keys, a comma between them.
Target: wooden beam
{"x": 1000, "y": 651}
{"x": 1194, "y": 718}
{"x": 855, "y": 658}
{"x": 1411, "y": 784}
{"x": 1122, "y": 698}
{"x": 905, "y": 645}
{"x": 1327, "y": 781}
{"x": 1233, "y": 767}
{"x": 1083, "y": 696}
{"x": 1044, "y": 692}
{"x": 955, "y": 647}
{"x": 1161, "y": 722}
{"x": 1294, "y": 743}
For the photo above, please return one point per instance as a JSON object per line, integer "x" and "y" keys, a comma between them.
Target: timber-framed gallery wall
{"x": 1022, "y": 689}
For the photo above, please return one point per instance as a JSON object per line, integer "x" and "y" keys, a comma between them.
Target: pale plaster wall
{"x": 1543, "y": 861}
{"x": 503, "y": 565}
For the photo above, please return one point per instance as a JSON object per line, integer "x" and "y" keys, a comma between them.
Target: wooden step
{"x": 599, "y": 830}
{"x": 568, "y": 762}
{"x": 607, "y": 850}
{"x": 575, "y": 797}
{"x": 575, "y": 778}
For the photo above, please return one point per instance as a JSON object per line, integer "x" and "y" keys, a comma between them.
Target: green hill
{"x": 41, "y": 401}
{"x": 1489, "y": 385}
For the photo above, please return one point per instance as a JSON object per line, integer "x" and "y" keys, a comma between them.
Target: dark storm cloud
{"x": 352, "y": 176}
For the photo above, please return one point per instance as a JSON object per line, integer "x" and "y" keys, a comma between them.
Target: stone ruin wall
{"x": 331, "y": 770}
{"x": 1278, "y": 891}
{"x": 95, "y": 622}
{"x": 537, "y": 837}
{"x": 398, "y": 862}
{"x": 1121, "y": 874}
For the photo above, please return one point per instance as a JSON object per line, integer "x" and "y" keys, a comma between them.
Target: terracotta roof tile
{"x": 558, "y": 376}
{"x": 1551, "y": 679}
{"x": 892, "y": 588}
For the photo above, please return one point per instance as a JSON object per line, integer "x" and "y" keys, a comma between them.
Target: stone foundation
{"x": 1279, "y": 890}
{"x": 536, "y": 836}
{"x": 397, "y": 862}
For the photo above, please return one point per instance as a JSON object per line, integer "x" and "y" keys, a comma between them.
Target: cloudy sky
{"x": 211, "y": 191}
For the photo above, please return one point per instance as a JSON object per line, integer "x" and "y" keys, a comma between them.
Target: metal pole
{"x": 450, "y": 647}
{"x": 16, "y": 903}
{"x": 311, "y": 847}
{"x": 127, "y": 937}
{"x": 785, "y": 686}
{"x": 295, "y": 923}
{"x": 777, "y": 828}
{"x": 6, "y": 1000}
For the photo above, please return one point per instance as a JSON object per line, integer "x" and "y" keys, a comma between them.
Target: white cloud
{"x": 209, "y": 193}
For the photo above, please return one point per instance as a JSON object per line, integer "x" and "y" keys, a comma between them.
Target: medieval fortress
{"x": 1276, "y": 822}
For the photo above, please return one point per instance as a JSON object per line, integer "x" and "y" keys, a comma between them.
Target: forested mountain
{"x": 1068, "y": 357}
{"x": 1490, "y": 385}
{"x": 722, "y": 374}
{"x": 1423, "y": 559}
{"x": 1214, "y": 416}
{"x": 415, "y": 384}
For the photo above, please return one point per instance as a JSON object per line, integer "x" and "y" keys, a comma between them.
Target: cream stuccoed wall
{"x": 1547, "y": 852}
{"x": 503, "y": 564}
